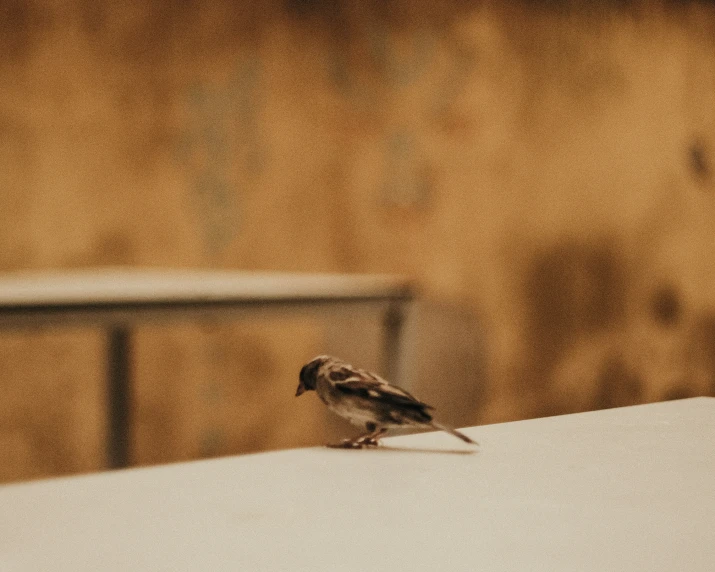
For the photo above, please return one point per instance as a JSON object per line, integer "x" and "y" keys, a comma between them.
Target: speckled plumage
{"x": 366, "y": 400}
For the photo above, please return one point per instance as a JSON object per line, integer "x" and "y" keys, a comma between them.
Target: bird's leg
{"x": 372, "y": 438}
{"x": 366, "y": 439}
{"x": 371, "y": 431}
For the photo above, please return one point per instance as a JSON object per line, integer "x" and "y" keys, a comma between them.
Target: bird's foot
{"x": 346, "y": 444}
{"x": 356, "y": 443}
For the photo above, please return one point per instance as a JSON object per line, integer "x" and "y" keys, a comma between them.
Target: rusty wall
{"x": 544, "y": 171}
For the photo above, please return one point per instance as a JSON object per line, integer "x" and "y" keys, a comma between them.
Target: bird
{"x": 367, "y": 400}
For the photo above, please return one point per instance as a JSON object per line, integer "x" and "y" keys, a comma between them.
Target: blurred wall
{"x": 544, "y": 171}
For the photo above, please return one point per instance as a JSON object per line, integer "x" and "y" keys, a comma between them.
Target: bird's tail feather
{"x": 454, "y": 432}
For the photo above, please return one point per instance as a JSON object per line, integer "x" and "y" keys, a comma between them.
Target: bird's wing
{"x": 380, "y": 390}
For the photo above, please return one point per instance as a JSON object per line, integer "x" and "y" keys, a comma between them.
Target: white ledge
{"x": 619, "y": 490}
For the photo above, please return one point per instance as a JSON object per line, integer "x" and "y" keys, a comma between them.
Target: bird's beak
{"x": 300, "y": 390}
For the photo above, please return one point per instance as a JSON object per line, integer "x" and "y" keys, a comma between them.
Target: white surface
{"x": 124, "y": 285}
{"x": 619, "y": 490}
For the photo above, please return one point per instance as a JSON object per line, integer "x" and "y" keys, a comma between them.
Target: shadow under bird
{"x": 366, "y": 400}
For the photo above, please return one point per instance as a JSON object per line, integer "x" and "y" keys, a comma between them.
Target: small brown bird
{"x": 366, "y": 400}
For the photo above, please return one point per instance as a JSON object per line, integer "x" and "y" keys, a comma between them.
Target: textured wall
{"x": 543, "y": 170}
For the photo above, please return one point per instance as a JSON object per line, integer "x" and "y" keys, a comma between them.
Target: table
{"x": 620, "y": 490}
{"x": 117, "y": 298}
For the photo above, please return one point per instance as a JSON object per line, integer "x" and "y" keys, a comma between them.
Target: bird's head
{"x": 308, "y": 377}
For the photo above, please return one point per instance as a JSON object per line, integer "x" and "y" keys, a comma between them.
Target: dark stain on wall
{"x": 560, "y": 44}
{"x": 93, "y": 17}
{"x": 115, "y": 247}
{"x": 21, "y": 25}
{"x": 618, "y": 385}
{"x": 703, "y": 343}
{"x": 699, "y": 160}
{"x": 679, "y": 392}
{"x": 666, "y": 306}
{"x": 572, "y": 290}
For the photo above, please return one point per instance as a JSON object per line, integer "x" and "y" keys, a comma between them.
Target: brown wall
{"x": 544, "y": 171}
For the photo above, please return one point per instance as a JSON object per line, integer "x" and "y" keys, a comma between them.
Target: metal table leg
{"x": 398, "y": 348}
{"x": 118, "y": 396}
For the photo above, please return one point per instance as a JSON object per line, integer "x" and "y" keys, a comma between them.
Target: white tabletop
{"x": 115, "y": 295}
{"x": 625, "y": 489}
{"x": 131, "y": 285}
